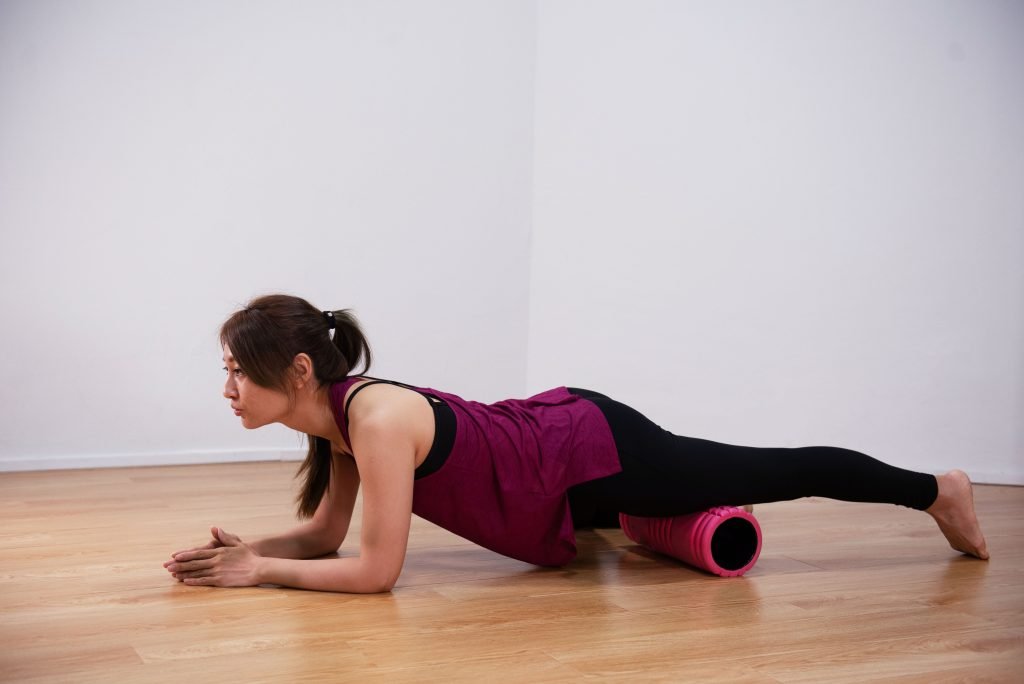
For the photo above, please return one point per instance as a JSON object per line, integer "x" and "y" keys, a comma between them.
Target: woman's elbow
{"x": 386, "y": 583}
{"x": 330, "y": 539}
{"x": 384, "y": 588}
{"x": 328, "y": 547}
{"x": 382, "y": 580}
{"x": 372, "y": 587}
{"x": 323, "y": 541}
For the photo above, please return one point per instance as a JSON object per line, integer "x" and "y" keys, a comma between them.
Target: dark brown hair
{"x": 267, "y": 335}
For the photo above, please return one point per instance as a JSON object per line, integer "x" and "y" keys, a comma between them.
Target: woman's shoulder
{"x": 368, "y": 398}
{"x": 393, "y": 413}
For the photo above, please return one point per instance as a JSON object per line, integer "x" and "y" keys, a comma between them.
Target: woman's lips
{"x": 238, "y": 412}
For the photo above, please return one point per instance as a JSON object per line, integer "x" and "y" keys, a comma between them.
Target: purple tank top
{"x": 504, "y": 483}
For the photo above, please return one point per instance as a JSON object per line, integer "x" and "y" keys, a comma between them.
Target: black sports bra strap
{"x": 377, "y": 381}
{"x": 356, "y": 391}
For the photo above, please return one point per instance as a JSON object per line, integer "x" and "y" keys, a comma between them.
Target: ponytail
{"x": 348, "y": 339}
{"x": 318, "y": 465}
{"x": 317, "y": 468}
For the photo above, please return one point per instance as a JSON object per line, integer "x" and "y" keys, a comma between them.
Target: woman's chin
{"x": 250, "y": 424}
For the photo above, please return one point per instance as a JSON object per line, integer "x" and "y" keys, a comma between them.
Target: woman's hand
{"x": 213, "y": 543}
{"x": 224, "y": 562}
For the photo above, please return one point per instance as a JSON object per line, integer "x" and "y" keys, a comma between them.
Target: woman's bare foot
{"x": 953, "y": 510}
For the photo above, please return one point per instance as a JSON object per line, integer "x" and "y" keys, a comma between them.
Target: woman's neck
{"x": 313, "y": 414}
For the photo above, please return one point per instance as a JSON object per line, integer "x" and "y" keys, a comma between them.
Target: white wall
{"x": 162, "y": 162}
{"x": 776, "y": 224}
{"x": 788, "y": 223}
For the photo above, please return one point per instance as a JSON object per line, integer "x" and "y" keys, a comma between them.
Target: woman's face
{"x": 256, "y": 406}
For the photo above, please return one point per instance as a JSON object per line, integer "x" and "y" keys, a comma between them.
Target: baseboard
{"x": 1005, "y": 477}
{"x": 71, "y": 462}
{"x": 999, "y": 475}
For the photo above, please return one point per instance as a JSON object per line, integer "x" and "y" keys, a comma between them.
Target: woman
{"x": 516, "y": 476}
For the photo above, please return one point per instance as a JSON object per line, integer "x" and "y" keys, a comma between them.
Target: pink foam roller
{"x": 725, "y": 540}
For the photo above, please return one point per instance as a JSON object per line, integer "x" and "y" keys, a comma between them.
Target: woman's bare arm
{"x": 327, "y": 529}
{"x": 386, "y": 463}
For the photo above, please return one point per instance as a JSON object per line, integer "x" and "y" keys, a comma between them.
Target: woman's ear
{"x": 302, "y": 370}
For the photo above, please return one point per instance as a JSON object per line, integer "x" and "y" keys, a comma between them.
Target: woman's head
{"x": 272, "y": 346}
{"x": 271, "y": 331}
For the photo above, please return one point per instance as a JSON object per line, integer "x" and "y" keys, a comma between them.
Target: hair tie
{"x": 329, "y": 317}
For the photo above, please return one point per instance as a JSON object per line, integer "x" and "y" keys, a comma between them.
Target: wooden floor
{"x": 842, "y": 593}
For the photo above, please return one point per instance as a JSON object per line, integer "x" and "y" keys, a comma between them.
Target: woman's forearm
{"x": 304, "y": 541}
{"x": 351, "y": 575}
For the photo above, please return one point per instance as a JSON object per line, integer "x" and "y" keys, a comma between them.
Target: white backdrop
{"x": 788, "y": 223}
{"x": 162, "y": 162}
{"x": 779, "y": 225}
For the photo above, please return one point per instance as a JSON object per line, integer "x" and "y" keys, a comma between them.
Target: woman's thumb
{"x": 225, "y": 538}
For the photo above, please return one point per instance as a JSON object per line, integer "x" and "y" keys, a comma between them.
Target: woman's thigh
{"x": 653, "y": 476}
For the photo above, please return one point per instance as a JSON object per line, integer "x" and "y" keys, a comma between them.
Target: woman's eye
{"x": 238, "y": 372}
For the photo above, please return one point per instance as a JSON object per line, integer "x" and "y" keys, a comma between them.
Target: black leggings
{"x": 664, "y": 474}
